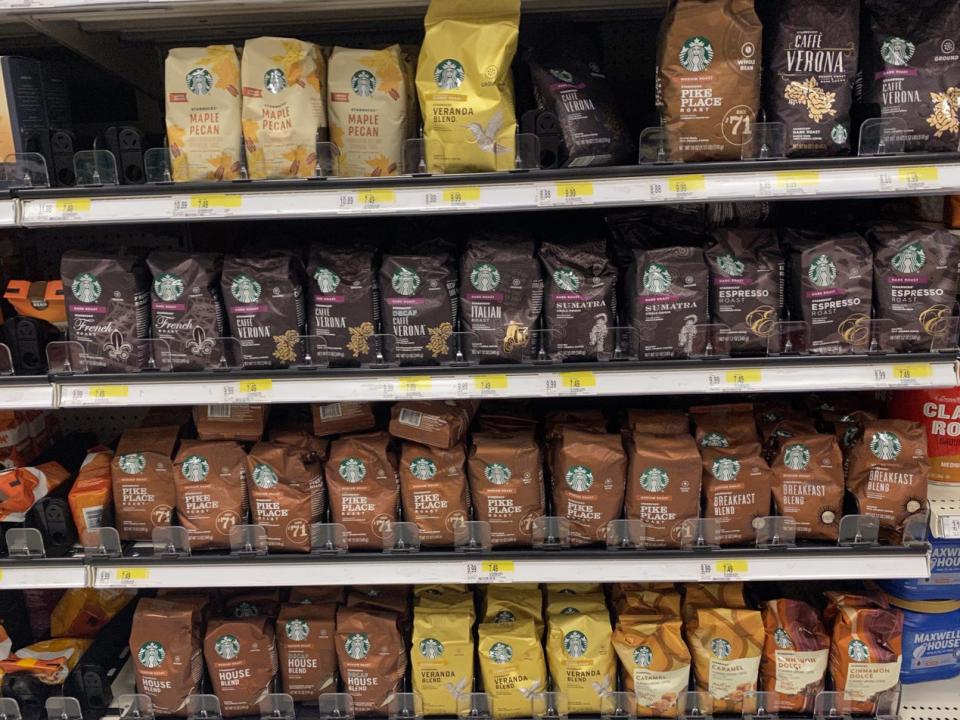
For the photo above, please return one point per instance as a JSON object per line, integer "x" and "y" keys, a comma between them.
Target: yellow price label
{"x": 576, "y": 380}
{"x": 415, "y": 383}
{"x": 731, "y": 567}
{"x": 913, "y": 371}
{"x": 73, "y": 205}
{"x": 101, "y": 392}
{"x": 254, "y": 386}
{"x": 132, "y": 574}
{"x": 376, "y": 197}
{"x": 215, "y": 200}
{"x": 798, "y": 178}
{"x": 574, "y": 191}
{"x": 497, "y": 566}
{"x": 681, "y": 184}
{"x": 920, "y": 173}
{"x": 743, "y": 377}
{"x": 490, "y": 382}
{"x": 455, "y": 196}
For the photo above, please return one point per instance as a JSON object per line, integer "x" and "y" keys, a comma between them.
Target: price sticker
{"x": 373, "y": 199}
{"x": 911, "y": 373}
{"x": 206, "y": 205}
{"x": 72, "y": 206}
{"x": 490, "y": 383}
{"x": 798, "y": 182}
{"x": 687, "y": 186}
{"x": 247, "y": 387}
{"x": 491, "y": 571}
{"x": 570, "y": 193}
{"x": 104, "y": 392}
{"x": 461, "y": 196}
{"x": 743, "y": 378}
{"x": 574, "y": 383}
{"x": 919, "y": 177}
{"x": 950, "y": 527}
{"x": 724, "y": 570}
{"x": 414, "y": 384}
{"x": 123, "y": 576}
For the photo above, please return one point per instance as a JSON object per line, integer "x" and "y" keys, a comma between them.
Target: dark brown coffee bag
{"x": 144, "y": 493}
{"x": 306, "y": 640}
{"x": 808, "y": 485}
{"x": 372, "y": 656}
{"x": 241, "y": 657}
{"x": 342, "y": 417}
{"x": 433, "y": 489}
{"x": 736, "y": 492}
{"x": 211, "y": 487}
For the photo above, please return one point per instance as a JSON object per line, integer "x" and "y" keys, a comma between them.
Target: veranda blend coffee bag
{"x": 368, "y": 110}
{"x": 306, "y": 648}
{"x": 501, "y": 295}
{"x": 361, "y": 475}
{"x": 736, "y": 493}
{"x": 283, "y": 106}
{"x": 264, "y": 300}
{"x": 211, "y": 487}
{"x": 795, "y": 652}
{"x": 441, "y": 657}
{"x": 419, "y": 302}
{"x": 186, "y": 307}
{"x": 343, "y": 310}
{"x": 808, "y": 485}
{"x": 202, "y": 87}
{"x": 506, "y": 485}
{"x": 911, "y": 70}
{"x": 580, "y": 307}
{"x": 108, "y": 309}
{"x": 830, "y": 284}
{"x": 726, "y": 645}
{"x": 144, "y": 493}
{"x": 241, "y": 657}
{"x": 433, "y": 489}
{"x": 666, "y": 298}
{"x": 746, "y": 286}
{"x": 342, "y": 417}
{"x": 708, "y": 77}
{"x": 465, "y": 86}
{"x": 915, "y": 282}
{"x": 810, "y": 52}
{"x": 655, "y": 664}
{"x": 582, "y": 662}
{"x": 371, "y": 654}
{"x": 512, "y": 666}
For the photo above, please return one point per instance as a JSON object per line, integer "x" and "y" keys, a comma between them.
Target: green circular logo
{"x": 654, "y": 479}
{"x": 485, "y": 277}
{"x": 726, "y": 469}
{"x": 168, "y": 287}
{"x": 839, "y": 134}
{"x": 823, "y": 271}
{"x": 696, "y": 54}
{"x": 151, "y": 654}
{"x": 357, "y": 645}
{"x": 579, "y": 478}
{"x": 423, "y": 468}
{"x": 567, "y": 279}
{"x": 643, "y": 656}
{"x": 448, "y": 74}
{"x": 656, "y": 278}
{"x": 575, "y": 644}
{"x": 500, "y": 653}
{"x": 720, "y": 648}
{"x": 245, "y": 289}
{"x": 497, "y": 473}
{"x": 274, "y": 80}
{"x": 730, "y": 265}
{"x": 227, "y": 647}
{"x": 885, "y": 445}
{"x": 195, "y": 468}
{"x": 264, "y": 477}
{"x": 199, "y": 81}
{"x": 327, "y": 280}
{"x": 715, "y": 439}
{"x": 782, "y": 639}
{"x": 132, "y": 463}
{"x": 363, "y": 83}
{"x": 297, "y": 629}
{"x": 858, "y": 651}
{"x": 910, "y": 259}
{"x": 86, "y": 288}
{"x": 504, "y": 616}
{"x": 897, "y": 51}
{"x": 431, "y": 648}
{"x": 405, "y": 281}
{"x": 796, "y": 456}
{"x": 352, "y": 470}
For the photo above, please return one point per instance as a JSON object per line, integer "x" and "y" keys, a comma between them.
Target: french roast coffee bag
{"x": 306, "y": 649}
{"x": 588, "y": 480}
{"x": 144, "y": 493}
{"x": 186, "y": 307}
{"x": 746, "y": 286}
{"x": 911, "y": 70}
{"x": 580, "y": 299}
{"x": 342, "y": 417}
{"x": 727, "y": 645}
{"x": 663, "y": 485}
{"x": 795, "y": 653}
{"x": 361, "y": 474}
{"x": 506, "y": 485}
{"x": 915, "y": 283}
{"x": 501, "y": 295}
{"x": 211, "y": 483}
{"x": 433, "y": 490}
{"x": 736, "y": 493}
{"x": 810, "y": 52}
{"x": 830, "y": 285}
{"x": 343, "y": 310}
{"x": 708, "y": 77}
{"x": 512, "y": 666}
{"x": 808, "y": 485}
{"x": 264, "y": 301}
{"x": 438, "y": 423}
{"x": 418, "y": 295}
{"x": 372, "y": 656}
{"x": 655, "y": 663}
{"x": 241, "y": 658}
{"x": 666, "y": 298}
{"x": 107, "y": 300}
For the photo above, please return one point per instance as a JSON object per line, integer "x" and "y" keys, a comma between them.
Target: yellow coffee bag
{"x": 656, "y": 664}
{"x": 727, "y": 645}
{"x": 559, "y": 603}
{"x": 581, "y": 657}
{"x": 512, "y": 666}
{"x": 441, "y": 656}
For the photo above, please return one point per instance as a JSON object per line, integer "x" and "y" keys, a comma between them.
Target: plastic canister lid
{"x": 930, "y": 607}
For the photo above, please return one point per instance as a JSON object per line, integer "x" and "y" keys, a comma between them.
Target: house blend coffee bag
{"x": 795, "y": 652}
{"x": 655, "y": 663}
{"x": 726, "y": 645}
{"x": 108, "y": 309}
{"x": 915, "y": 281}
{"x": 343, "y": 309}
{"x": 144, "y": 493}
{"x": 810, "y": 52}
{"x": 708, "y": 77}
{"x": 211, "y": 483}
{"x": 501, "y": 294}
{"x": 371, "y": 654}
{"x": 419, "y": 307}
{"x": 241, "y": 658}
{"x": 808, "y": 485}
{"x": 746, "y": 286}
{"x": 580, "y": 309}
{"x": 306, "y": 646}
{"x": 264, "y": 301}
{"x": 736, "y": 493}
{"x": 433, "y": 489}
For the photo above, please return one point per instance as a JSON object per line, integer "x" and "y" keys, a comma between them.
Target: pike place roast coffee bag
{"x": 511, "y": 665}
{"x": 144, "y": 493}
{"x": 241, "y": 657}
{"x": 438, "y": 423}
{"x": 211, "y": 482}
{"x": 342, "y": 417}
{"x": 232, "y": 421}
{"x": 433, "y": 490}
{"x": 808, "y": 485}
{"x": 371, "y": 654}
{"x": 708, "y": 77}
{"x": 736, "y": 493}
{"x": 657, "y": 422}
{"x": 582, "y": 661}
{"x": 795, "y": 652}
{"x": 727, "y": 645}
{"x": 655, "y": 663}
{"x": 306, "y": 649}
{"x": 441, "y": 657}
{"x": 264, "y": 299}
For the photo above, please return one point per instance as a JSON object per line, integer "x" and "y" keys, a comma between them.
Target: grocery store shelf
{"x": 26, "y": 394}
{"x": 494, "y": 192}
{"x": 43, "y": 573}
{"x": 939, "y": 700}
{"x": 8, "y": 212}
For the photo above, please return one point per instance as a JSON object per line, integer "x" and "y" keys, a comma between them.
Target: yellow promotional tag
{"x": 913, "y": 175}
{"x": 497, "y": 566}
{"x": 577, "y": 380}
{"x": 215, "y": 200}
{"x": 109, "y": 391}
{"x": 455, "y": 196}
{"x": 376, "y": 197}
{"x": 731, "y": 567}
{"x": 682, "y": 184}
{"x": 415, "y": 383}
{"x": 574, "y": 191}
{"x": 490, "y": 382}
{"x": 744, "y": 377}
{"x": 253, "y": 386}
{"x": 132, "y": 574}
{"x": 798, "y": 179}
{"x": 73, "y": 205}
{"x": 913, "y": 371}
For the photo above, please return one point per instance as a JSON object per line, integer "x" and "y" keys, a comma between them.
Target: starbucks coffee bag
{"x": 441, "y": 658}
{"x": 241, "y": 658}
{"x": 211, "y": 483}
{"x": 371, "y": 654}
{"x": 727, "y": 646}
{"x": 511, "y": 665}
{"x": 736, "y": 493}
{"x": 144, "y": 493}
{"x": 655, "y": 663}
{"x": 342, "y": 417}
{"x": 433, "y": 491}
{"x": 306, "y": 646}
{"x": 808, "y": 485}
{"x": 795, "y": 653}
{"x": 582, "y": 661}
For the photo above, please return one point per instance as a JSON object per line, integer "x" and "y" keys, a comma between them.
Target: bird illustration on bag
{"x": 486, "y": 138}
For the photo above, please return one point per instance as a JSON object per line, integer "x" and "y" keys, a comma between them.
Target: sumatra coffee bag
{"x": 371, "y": 654}
{"x": 501, "y": 294}
{"x": 108, "y": 309}
{"x": 736, "y": 493}
{"x": 808, "y": 485}
{"x": 727, "y": 645}
{"x": 433, "y": 489}
{"x": 795, "y": 652}
{"x": 506, "y": 485}
{"x": 465, "y": 86}
{"x": 186, "y": 306}
{"x": 202, "y": 87}
{"x": 368, "y": 110}
{"x": 438, "y": 423}
{"x": 342, "y": 417}
{"x": 362, "y": 480}
{"x": 582, "y": 662}
{"x": 915, "y": 281}
{"x": 306, "y": 646}
{"x": 283, "y": 110}
{"x": 708, "y": 77}
{"x": 144, "y": 493}
{"x": 441, "y": 658}
{"x": 655, "y": 664}
{"x": 211, "y": 487}
{"x": 810, "y": 52}
{"x": 580, "y": 309}
{"x": 264, "y": 299}
{"x": 241, "y": 657}
{"x": 419, "y": 307}
{"x": 511, "y": 665}
{"x": 746, "y": 286}
{"x": 342, "y": 304}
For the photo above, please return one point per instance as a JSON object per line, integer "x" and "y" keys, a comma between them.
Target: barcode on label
{"x": 410, "y": 417}
{"x": 331, "y": 411}
{"x": 218, "y": 411}
{"x": 93, "y": 517}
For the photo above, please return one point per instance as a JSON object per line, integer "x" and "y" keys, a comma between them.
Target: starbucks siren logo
{"x": 858, "y": 651}
{"x": 910, "y": 259}
{"x": 654, "y": 479}
{"x": 575, "y": 644}
{"x": 579, "y": 478}
{"x": 199, "y": 81}
{"x": 357, "y": 645}
{"x": 485, "y": 277}
{"x": 720, "y": 648}
{"x": 448, "y": 74}
{"x": 730, "y": 265}
{"x": 264, "y": 477}
{"x": 726, "y": 469}
{"x": 497, "y": 473}
{"x": 897, "y": 51}
{"x": 885, "y": 445}
{"x": 227, "y": 647}
{"x": 839, "y": 134}
{"x": 567, "y": 279}
{"x": 563, "y": 76}
{"x": 504, "y": 616}
{"x": 274, "y": 80}
{"x": 245, "y": 289}
{"x": 195, "y": 468}
{"x": 132, "y": 463}
{"x": 696, "y": 54}
{"x": 151, "y": 654}
{"x": 500, "y": 653}
{"x": 352, "y": 470}
{"x": 656, "y": 278}
{"x": 327, "y": 280}
{"x": 643, "y": 656}
{"x": 431, "y": 648}
{"x": 423, "y": 468}
{"x": 405, "y": 281}
{"x": 168, "y": 287}
{"x": 715, "y": 439}
{"x": 823, "y": 271}
{"x": 796, "y": 456}
{"x": 86, "y": 288}
{"x": 297, "y": 630}
{"x": 569, "y": 611}
{"x": 363, "y": 83}
{"x": 782, "y": 640}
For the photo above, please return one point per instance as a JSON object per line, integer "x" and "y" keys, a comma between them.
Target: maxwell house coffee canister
{"x": 944, "y": 580}
{"x": 931, "y": 639}
{"x": 939, "y": 412}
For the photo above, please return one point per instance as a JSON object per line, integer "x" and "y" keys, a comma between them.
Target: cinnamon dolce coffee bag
{"x": 144, "y": 493}
{"x": 808, "y": 485}
{"x": 241, "y": 658}
{"x": 795, "y": 653}
{"x": 306, "y": 648}
{"x": 726, "y": 645}
{"x": 361, "y": 475}
{"x": 372, "y": 656}
{"x": 438, "y": 423}
{"x": 506, "y": 485}
{"x": 433, "y": 490}
{"x": 211, "y": 488}
{"x": 736, "y": 493}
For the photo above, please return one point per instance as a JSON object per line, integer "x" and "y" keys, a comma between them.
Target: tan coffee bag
{"x": 726, "y": 645}
{"x": 211, "y": 487}
{"x": 241, "y": 657}
{"x": 372, "y": 657}
{"x": 582, "y": 662}
{"x": 433, "y": 489}
{"x": 306, "y": 648}
{"x": 144, "y": 493}
{"x": 655, "y": 664}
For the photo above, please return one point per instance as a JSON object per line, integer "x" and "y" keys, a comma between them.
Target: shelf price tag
{"x": 743, "y": 378}
{"x": 686, "y": 187}
{"x": 72, "y": 207}
{"x": 949, "y": 527}
{"x": 798, "y": 182}
{"x": 247, "y": 390}
{"x": 207, "y": 205}
{"x": 911, "y": 373}
{"x": 414, "y": 385}
{"x": 575, "y": 383}
{"x": 254, "y": 386}
{"x": 919, "y": 177}
{"x": 724, "y": 570}
{"x": 490, "y": 571}
{"x": 107, "y": 392}
{"x": 490, "y": 384}
{"x": 125, "y": 577}
{"x": 566, "y": 193}
{"x": 459, "y": 197}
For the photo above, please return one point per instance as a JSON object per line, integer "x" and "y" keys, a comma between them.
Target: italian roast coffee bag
{"x": 306, "y": 649}
{"x": 144, "y": 493}
{"x": 372, "y": 656}
{"x": 241, "y": 658}
{"x": 211, "y": 482}
{"x": 808, "y": 485}
{"x": 795, "y": 653}
{"x": 433, "y": 491}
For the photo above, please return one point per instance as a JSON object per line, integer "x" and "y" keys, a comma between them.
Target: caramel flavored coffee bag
{"x": 511, "y": 666}
{"x": 438, "y": 423}
{"x": 372, "y": 656}
{"x": 808, "y": 485}
{"x": 211, "y": 482}
{"x": 433, "y": 489}
{"x": 655, "y": 664}
{"x": 342, "y": 417}
{"x": 241, "y": 658}
{"x": 306, "y": 645}
{"x": 736, "y": 493}
{"x": 144, "y": 493}
{"x": 726, "y": 645}
{"x": 795, "y": 652}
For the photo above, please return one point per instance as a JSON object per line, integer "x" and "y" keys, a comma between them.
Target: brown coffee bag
{"x": 795, "y": 652}
{"x": 724, "y": 426}
{"x": 211, "y": 487}
{"x": 433, "y": 489}
{"x": 736, "y": 493}
{"x": 342, "y": 417}
{"x": 438, "y": 423}
{"x": 372, "y": 656}
{"x": 808, "y": 485}
{"x": 306, "y": 646}
{"x": 234, "y": 421}
{"x": 726, "y": 645}
{"x": 252, "y": 603}
{"x": 241, "y": 658}
{"x": 144, "y": 493}
{"x": 657, "y": 422}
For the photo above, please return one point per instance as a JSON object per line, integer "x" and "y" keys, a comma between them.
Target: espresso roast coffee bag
{"x": 915, "y": 283}
{"x": 810, "y": 52}
{"x": 795, "y": 653}
{"x": 501, "y": 295}
{"x": 433, "y": 491}
{"x": 211, "y": 482}
{"x": 371, "y": 654}
{"x": 186, "y": 307}
{"x": 708, "y": 77}
{"x": 108, "y": 309}
{"x": 343, "y": 308}
{"x": 418, "y": 294}
{"x": 580, "y": 290}
{"x": 746, "y": 286}
{"x": 736, "y": 493}
{"x": 655, "y": 663}
{"x": 808, "y": 485}
{"x": 264, "y": 300}
{"x": 726, "y": 645}
{"x": 241, "y": 658}
{"x": 144, "y": 493}
{"x": 306, "y": 649}
{"x": 911, "y": 70}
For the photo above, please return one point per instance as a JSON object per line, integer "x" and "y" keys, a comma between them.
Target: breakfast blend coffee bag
{"x": 808, "y": 485}
{"x": 736, "y": 493}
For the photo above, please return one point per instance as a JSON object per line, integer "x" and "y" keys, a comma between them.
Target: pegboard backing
{"x": 938, "y": 700}
{"x": 107, "y": 423}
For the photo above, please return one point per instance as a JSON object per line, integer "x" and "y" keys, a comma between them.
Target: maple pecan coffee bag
{"x": 795, "y": 652}
{"x": 438, "y": 423}
{"x": 808, "y": 485}
{"x": 211, "y": 487}
{"x": 241, "y": 657}
{"x": 433, "y": 490}
{"x": 736, "y": 493}
{"x": 306, "y": 649}
{"x": 361, "y": 475}
{"x": 342, "y": 417}
{"x": 264, "y": 301}
{"x": 708, "y": 77}
{"x": 726, "y": 645}
{"x": 144, "y": 493}
{"x": 655, "y": 664}
{"x": 372, "y": 656}
{"x": 810, "y": 52}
